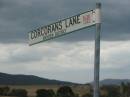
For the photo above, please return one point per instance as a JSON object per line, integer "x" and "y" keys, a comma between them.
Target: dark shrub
{"x": 51, "y": 92}
{"x": 18, "y": 93}
{"x": 4, "y": 91}
{"x": 87, "y": 95}
{"x": 45, "y": 93}
{"x": 65, "y": 91}
{"x": 111, "y": 91}
{"x": 1, "y": 91}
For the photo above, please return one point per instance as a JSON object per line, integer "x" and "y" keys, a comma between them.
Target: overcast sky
{"x": 71, "y": 57}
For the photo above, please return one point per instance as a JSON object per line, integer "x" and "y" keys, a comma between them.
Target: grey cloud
{"x": 25, "y": 57}
{"x": 58, "y": 59}
{"x": 16, "y": 54}
{"x": 19, "y": 17}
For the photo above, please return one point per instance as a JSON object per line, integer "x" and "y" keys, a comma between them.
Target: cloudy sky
{"x": 70, "y": 57}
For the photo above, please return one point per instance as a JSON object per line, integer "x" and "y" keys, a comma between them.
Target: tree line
{"x": 122, "y": 90}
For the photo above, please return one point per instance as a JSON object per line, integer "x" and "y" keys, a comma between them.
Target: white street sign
{"x": 64, "y": 26}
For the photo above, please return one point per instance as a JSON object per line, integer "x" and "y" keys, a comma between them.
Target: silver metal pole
{"x": 97, "y": 52}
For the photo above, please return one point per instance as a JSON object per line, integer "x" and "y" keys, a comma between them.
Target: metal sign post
{"x": 97, "y": 52}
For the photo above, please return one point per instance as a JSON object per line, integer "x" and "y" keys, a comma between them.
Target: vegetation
{"x": 65, "y": 91}
{"x": 4, "y": 91}
{"x": 110, "y": 91}
{"x": 125, "y": 89}
{"x": 45, "y": 93}
{"x": 88, "y": 95}
{"x": 122, "y": 90}
{"x": 18, "y": 93}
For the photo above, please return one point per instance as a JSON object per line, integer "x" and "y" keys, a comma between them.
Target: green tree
{"x": 45, "y": 93}
{"x": 111, "y": 91}
{"x": 1, "y": 91}
{"x": 87, "y": 95}
{"x": 128, "y": 90}
{"x": 103, "y": 91}
{"x": 65, "y": 91}
{"x": 4, "y": 91}
{"x": 125, "y": 89}
{"x": 18, "y": 93}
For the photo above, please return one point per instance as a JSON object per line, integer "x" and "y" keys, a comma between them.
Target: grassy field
{"x": 31, "y": 89}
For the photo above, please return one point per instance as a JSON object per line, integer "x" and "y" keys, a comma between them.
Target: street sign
{"x": 64, "y": 26}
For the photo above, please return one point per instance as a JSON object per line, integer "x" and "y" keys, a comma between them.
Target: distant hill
{"x": 114, "y": 81}
{"x": 10, "y": 79}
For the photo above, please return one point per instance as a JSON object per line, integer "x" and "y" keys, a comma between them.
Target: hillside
{"x": 10, "y": 79}
{"x": 114, "y": 81}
